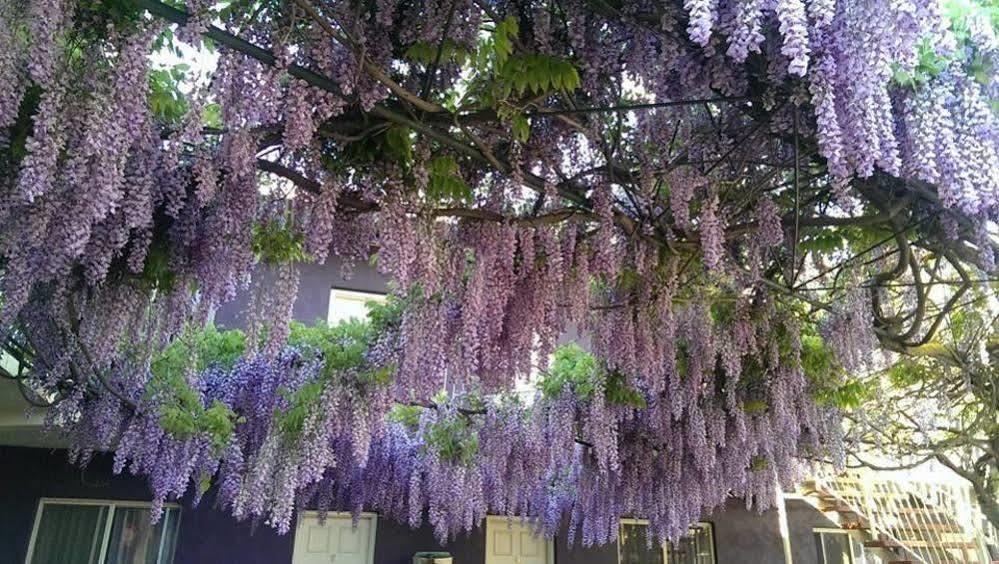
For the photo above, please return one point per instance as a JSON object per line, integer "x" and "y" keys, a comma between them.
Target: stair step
{"x": 924, "y": 512}
{"x": 838, "y": 507}
{"x": 936, "y": 527}
{"x": 889, "y": 543}
{"x": 881, "y": 543}
{"x": 941, "y": 544}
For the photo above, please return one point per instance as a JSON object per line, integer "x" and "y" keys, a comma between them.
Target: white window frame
{"x": 351, "y": 295}
{"x": 372, "y": 533}
{"x": 504, "y": 521}
{"x": 665, "y": 546}
{"x": 111, "y": 504}
{"x": 850, "y": 537}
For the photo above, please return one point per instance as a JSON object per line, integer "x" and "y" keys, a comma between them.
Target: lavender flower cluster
{"x": 568, "y": 456}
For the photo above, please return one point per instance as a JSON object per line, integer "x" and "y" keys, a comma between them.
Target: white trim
{"x": 782, "y": 524}
{"x": 34, "y": 532}
{"x": 366, "y": 515}
{"x": 631, "y": 521}
{"x": 102, "y": 556}
{"x": 507, "y": 520}
{"x": 337, "y": 514}
{"x": 109, "y": 504}
{"x": 95, "y": 501}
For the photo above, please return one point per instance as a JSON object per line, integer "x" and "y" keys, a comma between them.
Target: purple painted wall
{"x": 313, "y": 293}
{"x": 205, "y": 536}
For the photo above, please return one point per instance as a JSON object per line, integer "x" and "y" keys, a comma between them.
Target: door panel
{"x": 511, "y": 542}
{"x": 336, "y": 541}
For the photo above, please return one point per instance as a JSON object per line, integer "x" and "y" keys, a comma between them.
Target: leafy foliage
{"x": 453, "y": 439}
{"x": 344, "y": 352}
{"x": 427, "y": 53}
{"x": 445, "y": 182}
{"x": 277, "y": 242}
{"x": 182, "y": 411}
{"x": 931, "y": 61}
{"x": 579, "y": 372}
{"x": 166, "y": 100}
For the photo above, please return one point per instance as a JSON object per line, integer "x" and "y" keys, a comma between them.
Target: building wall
{"x": 205, "y": 536}
{"x": 747, "y": 536}
{"x": 211, "y": 536}
{"x": 802, "y": 520}
{"x": 313, "y": 291}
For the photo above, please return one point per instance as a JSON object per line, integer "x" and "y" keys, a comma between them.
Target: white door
{"x": 337, "y": 541}
{"x": 512, "y": 542}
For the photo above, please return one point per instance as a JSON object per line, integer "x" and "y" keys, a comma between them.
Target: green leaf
{"x": 521, "y": 128}
{"x": 343, "y": 349}
{"x": 581, "y": 373}
{"x": 444, "y": 181}
{"x": 427, "y": 53}
{"x": 166, "y": 100}
{"x": 212, "y": 115}
{"x": 399, "y": 140}
{"x": 538, "y": 73}
{"x": 275, "y": 242}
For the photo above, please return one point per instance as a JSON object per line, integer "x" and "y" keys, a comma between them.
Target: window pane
{"x": 69, "y": 534}
{"x": 859, "y": 555}
{"x": 835, "y": 547}
{"x": 635, "y": 548}
{"x": 347, "y": 304}
{"x": 134, "y": 540}
{"x": 704, "y": 544}
{"x": 170, "y": 535}
{"x": 696, "y": 547}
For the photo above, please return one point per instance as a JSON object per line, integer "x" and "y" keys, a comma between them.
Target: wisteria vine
{"x": 735, "y": 203}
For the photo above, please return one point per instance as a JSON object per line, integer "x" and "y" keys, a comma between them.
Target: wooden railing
{"x": 919, "y": 521}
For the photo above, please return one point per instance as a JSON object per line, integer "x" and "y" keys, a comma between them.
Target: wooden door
{"x": 512, "y": 542}
{"x": 337, "y": 541}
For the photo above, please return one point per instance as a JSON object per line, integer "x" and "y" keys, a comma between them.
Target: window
{"x": 836, "y": 546}
{"x": 696, "y": 547}
{"x": 101, "y": 532}
{"x": 346, "y": 304}
{"x": 634, "y": 547}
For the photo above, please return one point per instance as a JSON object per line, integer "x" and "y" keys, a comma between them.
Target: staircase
{"x": 902, "y": 520}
